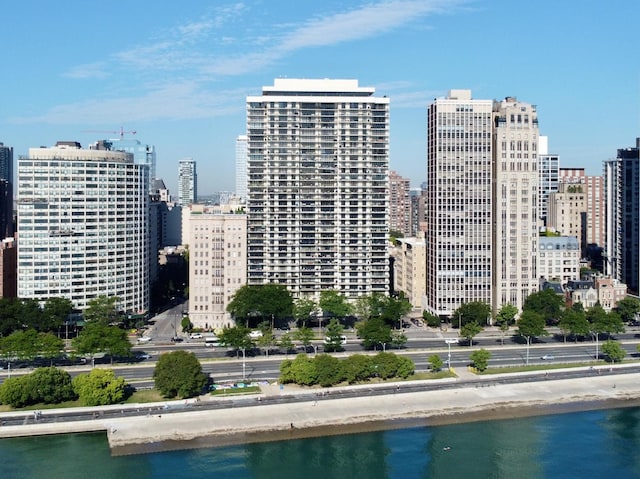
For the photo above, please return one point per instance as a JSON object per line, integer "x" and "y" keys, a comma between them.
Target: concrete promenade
{"x": 485, "y": 400}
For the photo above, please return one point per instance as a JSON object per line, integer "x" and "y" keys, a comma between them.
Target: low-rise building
{"x": 410, "y": 269}
{"x": 559, "y": 258}
{"x": 610, "y": 291}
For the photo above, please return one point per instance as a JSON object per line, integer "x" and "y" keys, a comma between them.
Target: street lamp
{"x": 449, "y": 343}
{"x": 243, "y": 366}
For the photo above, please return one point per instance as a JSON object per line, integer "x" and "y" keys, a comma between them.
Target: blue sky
{"x": 178, "y": 73}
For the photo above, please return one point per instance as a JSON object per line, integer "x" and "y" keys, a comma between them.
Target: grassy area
{"x": 236, "y": 391}
{"x": 444, "y": 373}
{"x": 144, "y": 396}
{"x": 537, "y": 367}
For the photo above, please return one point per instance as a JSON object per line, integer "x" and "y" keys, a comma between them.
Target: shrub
{"x": 329, "y": 370}
{"x": 99, "y": 387}
{"x": 357, "y": 368}
{"x": 179, "y": 373}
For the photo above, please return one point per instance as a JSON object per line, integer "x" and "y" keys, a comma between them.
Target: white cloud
{"x": 88, "y": 70}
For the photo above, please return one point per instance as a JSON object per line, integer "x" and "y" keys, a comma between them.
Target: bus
{"x": 211, "y": 341}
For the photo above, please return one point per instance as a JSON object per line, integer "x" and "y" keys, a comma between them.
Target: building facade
{"x": 241, "y": 167}
{"x": 568, "y": 211}
{"x": 187, "y": 182}
{"x": 83, "y": 226}
{"x": 559, "y": 259}
{"x": 622, "y": 191}
{"x": 6, "y": 191}
{"x": 217, "y": 265}
{"x": 549, "y": 171}
{"x": 399, "y": 204}
{"x": 318, "y": 213}
{"x": 410, "y": 269}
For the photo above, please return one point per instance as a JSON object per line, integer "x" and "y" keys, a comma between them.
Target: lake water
{"x": 594, "y": 444}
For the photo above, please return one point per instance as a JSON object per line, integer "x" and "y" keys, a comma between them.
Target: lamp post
{"x": 243, "y": 366}
{"x": 449, "y": 343}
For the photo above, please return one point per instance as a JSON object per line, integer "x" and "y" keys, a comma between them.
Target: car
{"x": 195, "y": 336}
{"x": 144, "y": 339}
{"x": 176, "y": 339}
{"x": 547, "y": 357}
{"x": 255, "y": 334}
{"x": 143, "y": 356}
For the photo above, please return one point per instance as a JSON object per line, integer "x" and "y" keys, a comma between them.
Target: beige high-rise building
{"x": 399, "y": 204}
{"x": 482, "y": 221}
{"x": 567, "y": 211}
{"x": 409, "y": 269}
{"x": 217, "y": 264}
{"x": 514, "y": 202}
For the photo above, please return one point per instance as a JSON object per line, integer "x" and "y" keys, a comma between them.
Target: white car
{"x": 195, "y": 336}
{"x": 547, "y": 357}
{"x": 144, "y": 339}
{"x": 255, "y": 334}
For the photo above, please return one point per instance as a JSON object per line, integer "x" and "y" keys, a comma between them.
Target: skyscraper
{"x": 142, "y": 154}
{"x": 458, "y": 210}
{"x": 83, "y": 226}
{"x": 399, "y": 204}
{"x": 514, "y": 202}
{"x": 241, "y": 167}
{"x": 482, "y": 170}
{"x": 622, "y": 189}
{"x": 6, "y": 191}
{"x": 318, "y": 187}
{"x": 548, "y": 170}
{"x": 187, "y": 182}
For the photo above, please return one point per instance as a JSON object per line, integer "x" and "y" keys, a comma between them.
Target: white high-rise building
{"x": 187, "y": 182}
{"x": 548, "y": 170}
{"x": 458, "y": 206}
{"x": 318, "y": 187}
{"x": 481, "y": 214}
{"x": 241, "y": 167}
{"x": 83, "y": 226}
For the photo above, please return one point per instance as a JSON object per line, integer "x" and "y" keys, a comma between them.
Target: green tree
{"x": 505, "y": 317}
{"x": 547, "y": 303}
{"x": 31, "y": 314}
{"x": 398, "y": 339}
{"x": 266, "y": 301}
{"x": 395, "y": 309}
{"x": 305, "y": 336}
{"x": 601, "y": 322}
{"x": 432, "y": 320}
{"x": 22, "y": 345}
{"x": 435, "y": 362}
{"x": 480, "y": 359}
{"x": 98, "y": 337}
{"x": 49, "y": 346}
{"x": 329, "y": 370}
{"x": 530, "y": 326}
{"x": 361, "y": 307}
{"x": 357, "y": 368}
{"x": 15, "y": 391}
{"x": 303, "y": 309}
{"x": 9, "y": 316}
{"x": 51, "y": 386}
{"x": 389, "y": 365}
{"x": 333, "y": 341}
{"x": 334, "y": 304}
{"x": 302, "y": 370}
{"x": 374, "y": 332}
{"x": 186, "y": 325}
{"x": 179, "y": 373}
{"x": 469, "y": 312}
{"x": 102, "y": 309}
{"x": 236, "y": 338}
{"x": 470, "y": 330}
{"x": 55, "y": 313}
{"x": 613, "y": 351}
{"x": 99, "y": 387}
{"x": 286, "y": 342}
{"x": 573, "y": 322}
{"x": 628, "y": 308}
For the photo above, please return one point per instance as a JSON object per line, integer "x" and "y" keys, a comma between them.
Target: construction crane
{"x": 121, "y": 132}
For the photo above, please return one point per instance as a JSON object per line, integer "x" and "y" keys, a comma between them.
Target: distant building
{"x": 548, "y": 170}
{"x": 83, "y": 226}
{"x": 399, "y": 204}
{"x": 568, "y": 211}
{"x": 187, "y": 182}
{"x": 217, "y": 264}
{"x": 6, "y": 191}
{"x": 622, "y": 190}
{"x": 559, "y": 258}
{"x": 241, "y": 167}
{"x": 8, "y": 268}
{"x": 410, "y": 269}
{"x": 610, "y": 291}
{"x": 142, "y": 154}
{"x": 582, "y": 292}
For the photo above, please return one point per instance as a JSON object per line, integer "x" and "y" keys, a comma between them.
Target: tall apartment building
{"x": 8, "y": 268}
{"x": 241, "y": 167}
{"x": 549, "y": 172}
{"x": 481, "y": 216}
{"x": 622, "y": 190}
{"x": 417, "y": 198}
{"x": 187, "y": 182}
{"x": 399, "y": 204}
{"x": 6, "y": 191}
{"x": 514, "y": 202}
{"x": 142, "y": 154}
{"x": 568, "y": 211}
{"x": 217, "y": 264}
{"x": 594, "y": 215}
{"x": 318, "y": 187}
{"x": 83, "y": 226}
{"x": 458, "y": 210}
{"x": 409, "y": 269}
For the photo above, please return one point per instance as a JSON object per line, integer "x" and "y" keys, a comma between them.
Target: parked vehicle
{"x": 195, "y": 336}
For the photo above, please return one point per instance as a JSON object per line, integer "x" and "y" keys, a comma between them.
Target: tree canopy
{"x": 477, "y": 311}
{"x": 374, "y": 332}
{"x": 531, "y": 325}
{"x": 334, "y": 304}
{"x": 303, "y": 309}
{"x": 99, "y": 387}
{"x": 547, "y": 303}
{"x": 628, "y": 308}
{"x": 102, "y": 309}
{"x": 98, "y": 337}
{"x": 263, "y": 301}
{"x": 179, "y": 373}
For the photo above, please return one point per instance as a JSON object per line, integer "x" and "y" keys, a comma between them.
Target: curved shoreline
{"x": 330, "y": 416}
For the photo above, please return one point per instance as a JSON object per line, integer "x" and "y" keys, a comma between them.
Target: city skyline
{"x": 179, "y": 75}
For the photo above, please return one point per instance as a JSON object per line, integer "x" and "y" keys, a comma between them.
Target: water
{"x": 593, "y": 444}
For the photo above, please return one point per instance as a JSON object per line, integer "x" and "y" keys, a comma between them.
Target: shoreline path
{"x": 276, "y": 414}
